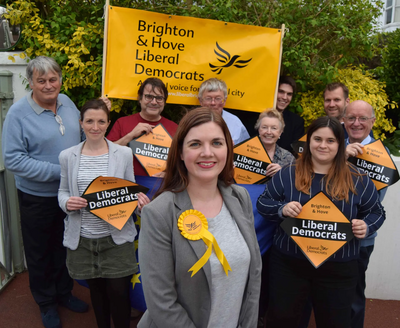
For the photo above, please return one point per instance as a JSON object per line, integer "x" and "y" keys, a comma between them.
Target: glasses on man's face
{"x": 150, "y": 98}
{"x": 362, "y": 119}
{"x": 59, "y": 121}
{"x": 217, "y": 100}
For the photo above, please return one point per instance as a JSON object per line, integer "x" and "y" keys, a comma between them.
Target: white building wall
{"x": 18, "y": 69}
{"x": 383, "y": 275}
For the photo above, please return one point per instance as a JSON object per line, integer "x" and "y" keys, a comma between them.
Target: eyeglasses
{"x": 217, "y": 100}
{"x": 362, "y": 119}
{"x": 150, "y": 98}
{"x": 59, "y": 121}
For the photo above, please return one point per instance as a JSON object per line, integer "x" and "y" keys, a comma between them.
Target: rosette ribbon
{"x": 194, "y": 226}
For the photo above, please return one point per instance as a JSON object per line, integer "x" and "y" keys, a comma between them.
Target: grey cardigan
{"x": 120, "y": 165}
{"x": 174, "y": 298}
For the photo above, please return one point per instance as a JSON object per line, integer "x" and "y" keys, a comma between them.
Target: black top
{"x": 293, "y": 131}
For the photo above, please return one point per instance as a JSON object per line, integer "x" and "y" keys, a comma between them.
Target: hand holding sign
{"x": 359, "y": 228}
{"x": 141, "y": 128}
{"x": 354, "y": 149}
{"x": 142, "y": 200}
{"x": 272, "y": 169}
{"x": 76, "y": 203}
{"x": 292, "y": 209}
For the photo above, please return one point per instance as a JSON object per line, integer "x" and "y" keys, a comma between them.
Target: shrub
{"x": 321, "y": 36}
{"x": 362, "y": 86}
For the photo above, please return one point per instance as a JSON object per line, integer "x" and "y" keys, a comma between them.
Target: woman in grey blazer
{"x": 97, "y": 251}
{"x": 181, "y": 291}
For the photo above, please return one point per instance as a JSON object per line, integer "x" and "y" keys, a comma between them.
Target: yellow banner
{"x": 183, "y": 52}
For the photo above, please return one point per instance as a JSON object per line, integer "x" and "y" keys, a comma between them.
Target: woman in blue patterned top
{"x": 270, "y": 126}
{"x": 293, "y": 279}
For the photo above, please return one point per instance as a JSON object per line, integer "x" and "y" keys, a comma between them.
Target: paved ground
{"x": 18, "y": 309}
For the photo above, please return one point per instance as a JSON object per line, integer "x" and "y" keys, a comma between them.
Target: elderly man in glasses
{"x": 359, "y": 118}
{"x": 152, "y": 96}
{"x": 212, "y": 94}
{"x": 36, "y": 129}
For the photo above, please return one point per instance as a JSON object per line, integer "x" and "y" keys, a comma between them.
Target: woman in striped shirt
{"x": 96, "y": 250}
{"x": 293, "y": 279}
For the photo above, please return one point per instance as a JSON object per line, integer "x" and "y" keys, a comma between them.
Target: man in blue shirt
{"x": 36, "y": 129}
{"x": 213, "y": 94}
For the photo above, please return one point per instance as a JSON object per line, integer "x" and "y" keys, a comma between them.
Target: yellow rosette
{"x": 194, "y": 226}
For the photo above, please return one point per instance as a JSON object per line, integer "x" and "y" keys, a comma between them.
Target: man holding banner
{"x": 152, "y": 96}
{"x": 212, "y": 94}
{"x": 359, "y": 117}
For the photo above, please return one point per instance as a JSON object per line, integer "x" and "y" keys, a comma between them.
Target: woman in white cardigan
{"x": 97, "y": 251}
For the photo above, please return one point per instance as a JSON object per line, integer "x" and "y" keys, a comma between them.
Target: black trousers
{"x": 42, "y": 226}
{"x": 358, "y": 306}
{"x": 110, "y": 299}
{"x": 293, "y": 281}
{"x": 264, "y": 292}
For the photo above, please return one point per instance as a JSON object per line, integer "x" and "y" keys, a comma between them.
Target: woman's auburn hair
{"x": 176, "y": 175}
{"x": 339, "y": 179}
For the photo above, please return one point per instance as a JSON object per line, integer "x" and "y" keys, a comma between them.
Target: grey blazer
{"x": 174, "y": 298}
{"x": 120, "y": 165}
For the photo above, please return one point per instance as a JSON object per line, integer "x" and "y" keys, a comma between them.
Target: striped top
{"x": 91, "y": 167}
{"x": 363, "y": 205}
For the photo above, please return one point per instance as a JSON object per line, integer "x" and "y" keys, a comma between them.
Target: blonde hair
{"x": 273, "y": 113}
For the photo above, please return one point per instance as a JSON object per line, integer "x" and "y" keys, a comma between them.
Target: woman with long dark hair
{"x": 182, "y": 288}
{"x": 293, "y": 279}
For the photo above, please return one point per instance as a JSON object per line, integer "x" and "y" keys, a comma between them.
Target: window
{"x": 392, "y": 11}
